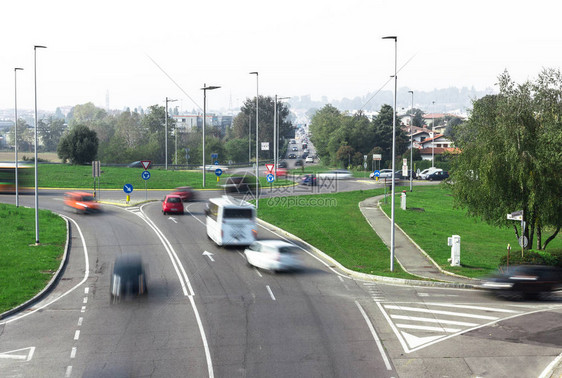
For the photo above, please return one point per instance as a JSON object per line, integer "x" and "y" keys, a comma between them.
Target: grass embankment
{"x": 25, "y": 269}
{"x": 334, "y": 224}
{"x": 80, "y": 176}
{"x": 430, "y": 219}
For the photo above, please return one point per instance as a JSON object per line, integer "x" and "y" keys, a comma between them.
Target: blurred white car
{"x": 384, "y": 173}
{"x": 338, "y": 174}
{"x": 273, "y": 255}
{"x": 309, "y": 159}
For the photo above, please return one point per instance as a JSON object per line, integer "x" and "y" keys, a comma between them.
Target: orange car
{"x": 81, "y": 202}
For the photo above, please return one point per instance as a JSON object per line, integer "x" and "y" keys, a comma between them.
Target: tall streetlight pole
{"x": 433, "y": 135}
{"x": 276, "y": 130}
{"x": 395, "y": 38}
{"x": 16, "y": 132}
{"x": 411, "y": 143}
{"x": 166, "y": 135}
{"x": 205, "y": 89}
{"x": 36, "y": 124}
{"x": 257, "y": 140}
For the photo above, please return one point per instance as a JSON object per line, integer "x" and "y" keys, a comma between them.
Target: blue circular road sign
{"x": 128, "y": 188}
{"x": 377, "y": 173}
{"x": 218, "y": 171}
{"x": 270, "y": 177}
{"x": 145, "y": 175}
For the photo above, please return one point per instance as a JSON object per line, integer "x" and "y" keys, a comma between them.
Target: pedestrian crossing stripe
{"x": 419, "y": 325}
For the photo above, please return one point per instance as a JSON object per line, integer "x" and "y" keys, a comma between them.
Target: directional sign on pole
{"x": 377, "y": 173}
{"x": 145, "y": 175}
{"x": 218, "y": 171}
{"x": 128, "y": 188}
{"x": 270, "y": 178}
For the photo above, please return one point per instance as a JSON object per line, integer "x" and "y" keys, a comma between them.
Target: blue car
{"x": 308, "y": 179}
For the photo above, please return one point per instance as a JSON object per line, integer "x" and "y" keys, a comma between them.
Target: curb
{"x": 51, "y": 284}
{"x": 359, "y": 275}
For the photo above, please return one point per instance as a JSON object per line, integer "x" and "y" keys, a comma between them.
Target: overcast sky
{"x": 299, "y": 47}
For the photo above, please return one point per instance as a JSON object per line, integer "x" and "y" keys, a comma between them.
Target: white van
{"x": 426, "y": 172}
{"x": 231, "y": 221}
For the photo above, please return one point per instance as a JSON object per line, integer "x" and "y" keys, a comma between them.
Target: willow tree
{"x": 511, "y": 156}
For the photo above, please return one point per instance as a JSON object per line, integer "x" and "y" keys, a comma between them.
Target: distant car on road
{"x": 292, "y": 156}
{"x": 273, "y": 255}
{"x": 282, "y": 164}
{"x": 239, "y": 184}
{"x": 136, "y": 164}
{"x": 426, "y": 172}
{"x": 309, "y": 159}
{"x": 384, "y": 173}
{"x": 172, "y": 203}
{"x": 338, "y": 174}
{"x": 186, "y": 193}
{"x": 295, "y": 149}
{"x": 308, "y": 179}
{"x": 128, "y": 278}
{"x": 299, "y": 163}
{"x": 524, "y": 280}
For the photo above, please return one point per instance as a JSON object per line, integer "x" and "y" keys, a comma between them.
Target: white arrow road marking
{"x": 26, "y": 357}
{"x": 209, "y": 255}
{"x": 173, "y": 219}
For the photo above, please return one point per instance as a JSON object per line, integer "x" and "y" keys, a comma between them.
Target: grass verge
{"x": 334, "y": 224}
{"x": 25, "y": 269}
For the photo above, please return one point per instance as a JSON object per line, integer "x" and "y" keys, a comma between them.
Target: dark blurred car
{"x": 308, "y": 179}
{"x": 128, "y": 278}
{"x": 186, "y": 193}
{"x": 81, "y": 202}
{"x": 240, "y": 184}
{"x": 299, "y": 163}
{"x": 135, "y": 164}
{"x": 402, "y": 177}
{"x": 524, "y": 280}
{"x": 172, "y": 203}
{"x": 292, "y": 156}
{"x": 438, "y": 176}
{"x": 282, "y": 164}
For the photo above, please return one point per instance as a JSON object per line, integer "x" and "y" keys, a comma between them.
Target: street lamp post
{"x": 392, "y": 236}
{"x": 411, "y": 142}
{"x": 166, "y": 135}
{"x": 16, "y": 132}
{"x": 257, "y": 140}
{"x": 36, "y": 124}
{"x": 433, "y": 135}
{"x": 205, "y": 89}
{"x": 276, "y": 129}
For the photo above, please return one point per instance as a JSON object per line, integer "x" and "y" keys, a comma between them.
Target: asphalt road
{"x": 209, "y": 314}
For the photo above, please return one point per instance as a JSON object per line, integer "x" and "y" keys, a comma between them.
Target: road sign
{"x": 365, "y": 165}
{"x": 128, "y": 188}
{"x": 377, "y": 173}
{"x": 145, "y": 175}
{"x": 214, "y": 156}
{"x": 516, "y": 215}
{"x": 96, "y": 168}
{"x": 269, "y": 167}
{"x": 270, "y": 178}
{"x": 146, "y": 164}
{"x": 377, "y": 156}
{"x": 265, "y": 146}
{"x": 216, "y": 162}
{"x": 218, "y": 171}
{"x": 523, "y": 241}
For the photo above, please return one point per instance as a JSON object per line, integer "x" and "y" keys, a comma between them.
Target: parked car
{"x": 186, "y": 193}
{"x": 383, "y": 173}
{"x": 282, "y": 164}
{"x": 274, "y": 255}
{"x": 172, "y": 203}
{"x": 128, "y": 278}
{"x": 309, "y": 159}
{"x": 524, "y": 280}
{"x": 426, "y": 172}
{"x": 338, "y": 174}
{"x": 438, "y": 176}
{"x": 81, "y": 202}
{"x": 308, "y": 179}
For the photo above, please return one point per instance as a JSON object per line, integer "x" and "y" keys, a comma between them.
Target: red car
{"x": 172, "y": 203}
{"x": 185, "y": 192}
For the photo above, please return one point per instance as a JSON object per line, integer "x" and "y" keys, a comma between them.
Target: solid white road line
{"x": 428, "y": 311}
{"x": 432, "y": 320}
{"x": 375, "y": 336}
{"x": 471, "y": 307}
{"x": 270, "y": 292}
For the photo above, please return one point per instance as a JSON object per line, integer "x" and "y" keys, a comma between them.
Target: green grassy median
{"x": 25, "y": 269}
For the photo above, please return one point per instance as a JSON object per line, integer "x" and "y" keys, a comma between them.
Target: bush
{"x": 552, "y": 258}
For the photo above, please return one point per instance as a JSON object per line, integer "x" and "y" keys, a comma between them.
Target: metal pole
{"x": 433, "y": 136}
{"x": 166, "y": 137}
{"x": 257, "y": 140}
{"x": 393, "y": 154}
{"x": 16, "y": 133}
{"x": 249, "y": 139}
{"x": 36, "y": 186}
{"x": 411, "y": 144}
{"x": 204, "y": 120}
{"x": 274, "y": 138}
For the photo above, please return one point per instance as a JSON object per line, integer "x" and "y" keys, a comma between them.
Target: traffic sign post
{"x": 146, "y": 164}
{"x": 128, "y": 189}
{"x": 218, "y": 172}
{"x": 523, "y": 240}
{"x": 270, "y": 178}
{"x": 145, "y": 176}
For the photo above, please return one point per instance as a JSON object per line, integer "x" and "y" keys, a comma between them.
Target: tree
{"x": 383, "y": 135}
{"x": 237, "y": 150}
{"x": 79, "y": 146}
{"x": 51, "y": 132}
{"x": 511, "y": 156}
{"x": 345, "y": 154}
{"x": 417, "y": 119}
{"x": 25, "y": 136}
